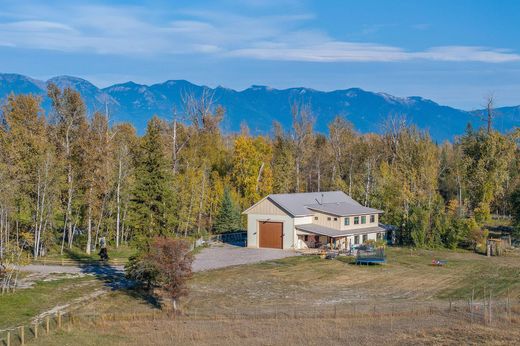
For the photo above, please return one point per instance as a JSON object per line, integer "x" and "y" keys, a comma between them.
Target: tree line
{"x": 69, "y": 178}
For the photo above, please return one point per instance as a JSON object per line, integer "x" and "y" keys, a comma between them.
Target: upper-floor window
{"x": 347, "y": 221}
{"x": 335, "y": 219}
{"x": 328, "y": 219}
{"x": 363, "y": 219}
{"x": 315, "y": 218}
{"x": 372, "y": 218}
{"x": 356, "y": 220}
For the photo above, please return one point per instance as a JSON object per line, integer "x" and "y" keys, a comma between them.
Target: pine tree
{"x": 228, "y": 217}
{"x": 150, "y": 206}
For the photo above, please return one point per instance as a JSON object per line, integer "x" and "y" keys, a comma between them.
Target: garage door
{"x": 271, "y": 235}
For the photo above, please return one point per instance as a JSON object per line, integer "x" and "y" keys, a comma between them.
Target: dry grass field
{"x": 306, "y": 300}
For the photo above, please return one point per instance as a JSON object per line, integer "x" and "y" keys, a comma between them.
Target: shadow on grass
{"x": 112, "y": 277}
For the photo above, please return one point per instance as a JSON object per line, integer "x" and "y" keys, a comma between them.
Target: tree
{"x": 167, "y": 264}
{"x": 97, "y": 179}
{"x": 125, "y": 141}
{"x": 69, "y": 112}
{"x": 283, "y": 161}
{"x": 303, "y": 122}
{"x": 515, "y": 203}
{"x": 251, "y": 171}
{"x": 486, "y": 158}
{"x": 29, "y": 158}
{"x": 151, "y": 202}
{"x": 228, "y": 217}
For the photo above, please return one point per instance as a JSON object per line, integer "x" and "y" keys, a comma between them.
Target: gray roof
{"x": 296, "y": 204}
{"x": 334, "y": 233}
{"x": 343, "y": 209}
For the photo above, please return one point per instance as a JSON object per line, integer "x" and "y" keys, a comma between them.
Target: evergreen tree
{"x": 228, "y": 217}
{"x": 150, "y": 206}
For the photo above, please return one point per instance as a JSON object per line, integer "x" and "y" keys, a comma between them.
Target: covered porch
{"x": 313, "y": 236}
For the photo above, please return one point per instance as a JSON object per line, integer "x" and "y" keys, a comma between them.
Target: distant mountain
{"x": 259, "y": 106}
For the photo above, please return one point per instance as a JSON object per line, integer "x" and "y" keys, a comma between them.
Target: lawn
{"x": 59, "y": 289}
{"x": 300, "y": 287}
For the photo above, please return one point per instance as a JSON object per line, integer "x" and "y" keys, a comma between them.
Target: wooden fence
{"x": 487, "y": 311}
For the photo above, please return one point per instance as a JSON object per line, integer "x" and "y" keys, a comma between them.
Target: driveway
{"x": 225, "y": 255}
{"x": 213, "y": 257}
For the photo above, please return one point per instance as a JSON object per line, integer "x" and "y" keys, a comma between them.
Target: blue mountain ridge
{"x": 258, "y": 106}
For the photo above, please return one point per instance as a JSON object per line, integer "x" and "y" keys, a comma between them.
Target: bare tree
{"x": 303, "y": 122}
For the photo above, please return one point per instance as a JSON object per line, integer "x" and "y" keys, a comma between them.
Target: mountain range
{"x": 258, "y": 106}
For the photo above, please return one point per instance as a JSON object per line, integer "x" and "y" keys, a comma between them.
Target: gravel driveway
{"x": 213, "y": 257}
{"x": 224, "y": 255}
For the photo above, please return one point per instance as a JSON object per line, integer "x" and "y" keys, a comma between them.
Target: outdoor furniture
{"x": 439, "y": 263}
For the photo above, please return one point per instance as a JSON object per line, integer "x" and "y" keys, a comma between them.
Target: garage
{"x": 271, "y": 235}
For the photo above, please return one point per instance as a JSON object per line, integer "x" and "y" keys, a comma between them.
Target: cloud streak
{"x": 120, "y": 30}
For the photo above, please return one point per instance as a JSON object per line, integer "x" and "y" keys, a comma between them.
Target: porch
{"x": 313, "y": 236}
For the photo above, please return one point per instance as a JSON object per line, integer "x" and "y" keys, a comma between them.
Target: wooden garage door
{"x": 271, "y": 235}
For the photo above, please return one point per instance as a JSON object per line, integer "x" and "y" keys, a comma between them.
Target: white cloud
{"x": 131, "y": 30}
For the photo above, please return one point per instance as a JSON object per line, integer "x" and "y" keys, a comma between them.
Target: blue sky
{"x": 454, "y": 52}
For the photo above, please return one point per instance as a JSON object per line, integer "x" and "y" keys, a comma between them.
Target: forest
{"x": 69, "y": 178}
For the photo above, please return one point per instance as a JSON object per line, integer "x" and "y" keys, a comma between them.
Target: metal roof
{"x": 334, "y": 233}
{"x": 343, "y": 209}
{"x": 296, "y": 204}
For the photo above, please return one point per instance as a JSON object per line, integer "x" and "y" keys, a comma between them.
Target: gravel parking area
{"x": 224, "y": 255}
{"x": 213, "y": 257}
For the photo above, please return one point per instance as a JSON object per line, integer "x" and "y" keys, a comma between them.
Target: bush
{"x": 166, "y": 264}
{"x": 141, "y": 269}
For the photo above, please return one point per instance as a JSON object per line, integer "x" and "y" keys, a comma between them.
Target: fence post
{"x": 489, "y": 307}
{"x": 8, "y": 338}
{"x": 22, "y": 336}
{"x": 59, "y": 319}
{"x": 47, "y": 329}
{"x": 36, "y": 330}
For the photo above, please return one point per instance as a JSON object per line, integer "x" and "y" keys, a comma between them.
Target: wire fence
{"x": 487, "y": 312}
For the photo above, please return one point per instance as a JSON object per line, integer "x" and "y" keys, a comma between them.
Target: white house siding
{"x": 323, "y": 220}
{"x": 253, "y": 221}
{"x": 360, "y": 225}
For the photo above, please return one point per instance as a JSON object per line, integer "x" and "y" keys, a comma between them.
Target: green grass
{"x": 19, "y": 307}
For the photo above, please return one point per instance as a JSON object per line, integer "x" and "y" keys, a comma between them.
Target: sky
{"x": 454, "y": 52}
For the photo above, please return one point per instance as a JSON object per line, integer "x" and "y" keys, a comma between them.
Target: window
{"x": 356, "y": 220}
{"x": 356, "y": 239}
{"x": 328, "y": 219}
{"x": 347, "y": 221}
{"x": 372, "y": 218}
{"x": 315, "y": 218}
{"x": 365, "y": 238}
{"x": 305, "y": 237}
{"x": 378, "y": 236}
{"x": 335, "y": 219}
{"x": 363, "y": 219}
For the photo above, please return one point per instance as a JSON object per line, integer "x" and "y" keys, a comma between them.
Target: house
{"x": 311, "y": 220}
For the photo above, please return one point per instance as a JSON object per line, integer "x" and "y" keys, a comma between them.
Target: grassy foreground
{"x": 224, "y": 306}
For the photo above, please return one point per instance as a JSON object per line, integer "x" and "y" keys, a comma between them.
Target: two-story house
{"x": 310, "y": 220}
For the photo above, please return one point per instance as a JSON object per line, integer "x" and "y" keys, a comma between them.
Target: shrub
{"x": 166, "y": 264}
